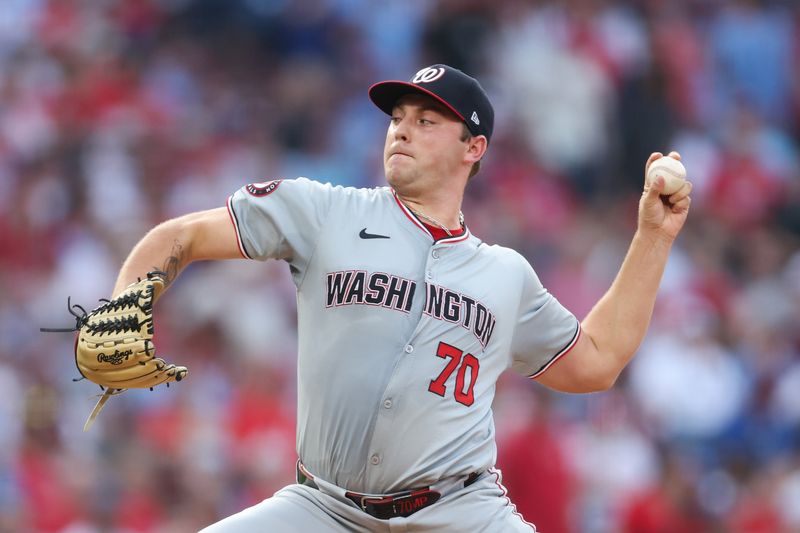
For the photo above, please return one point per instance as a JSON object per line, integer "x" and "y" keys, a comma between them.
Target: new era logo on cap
{"x": 461, "y": 93}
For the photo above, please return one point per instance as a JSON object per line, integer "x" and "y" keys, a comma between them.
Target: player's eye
{"x": 395, "y": 120}
{"x": 425, "y": 122}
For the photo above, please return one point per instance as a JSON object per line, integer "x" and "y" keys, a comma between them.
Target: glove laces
{"x": 119, "y": 325}
{"x": 80, "y": 319}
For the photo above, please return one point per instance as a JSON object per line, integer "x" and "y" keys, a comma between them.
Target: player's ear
{"x": 476, "y": 147}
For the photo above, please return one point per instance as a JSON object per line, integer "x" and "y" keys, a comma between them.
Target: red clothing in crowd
{"x": 537, "y": 478}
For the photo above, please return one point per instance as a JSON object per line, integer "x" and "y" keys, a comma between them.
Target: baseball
{"x": 673, "y": 171}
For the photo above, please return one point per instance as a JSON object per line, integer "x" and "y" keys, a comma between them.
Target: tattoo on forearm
{"x": 173, "y": 263}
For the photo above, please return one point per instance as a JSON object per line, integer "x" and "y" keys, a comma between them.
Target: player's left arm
{"x": 616, "y": 325}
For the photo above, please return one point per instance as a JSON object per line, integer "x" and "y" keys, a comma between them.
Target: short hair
{"x": 466, "y": 135}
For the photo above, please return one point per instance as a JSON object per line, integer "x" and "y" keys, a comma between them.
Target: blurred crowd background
{"x": 118, "y": 114}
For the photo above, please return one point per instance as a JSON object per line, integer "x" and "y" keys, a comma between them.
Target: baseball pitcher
{"x": 405, "y": 321}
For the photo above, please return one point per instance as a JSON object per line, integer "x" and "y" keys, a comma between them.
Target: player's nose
{"x": 401, "y": 129}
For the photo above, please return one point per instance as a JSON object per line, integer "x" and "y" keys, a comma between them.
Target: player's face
{"x": 424, "y": 145}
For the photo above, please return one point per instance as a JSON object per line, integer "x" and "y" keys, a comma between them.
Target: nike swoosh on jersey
{"x": 364, "y": 235}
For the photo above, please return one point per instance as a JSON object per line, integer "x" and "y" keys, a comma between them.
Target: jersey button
{"x": 375, "y": 460}
{"x": 387, "y": 403}
{"x": 409, "y": 348}
{"x": 435, "y": 254}
{"x": 429, "y": 275}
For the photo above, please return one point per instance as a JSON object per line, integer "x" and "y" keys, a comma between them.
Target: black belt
{"x": 403, "y": 503}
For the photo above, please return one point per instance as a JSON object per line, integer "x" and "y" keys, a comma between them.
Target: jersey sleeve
{"x": 545, "y": 329}
{"x": 280, "y": 219}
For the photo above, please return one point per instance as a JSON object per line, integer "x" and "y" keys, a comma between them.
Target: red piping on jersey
{"x": 420, "y": 225}
{"x": 411, "y": 217}
{"x": 568, "y": 348}
{"x": 453, "y": 240}
{"x": 305, "y": 472}
{"x": 439, "y": 233}
{"x": 229, "y": 205}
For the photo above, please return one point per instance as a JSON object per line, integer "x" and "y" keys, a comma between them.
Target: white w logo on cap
{"x": 428, "y": 74}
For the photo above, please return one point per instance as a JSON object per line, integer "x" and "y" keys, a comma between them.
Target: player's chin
{"x": 398, "y": 177}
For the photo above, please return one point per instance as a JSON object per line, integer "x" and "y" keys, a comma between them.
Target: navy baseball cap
{"x": 461, "y": 93}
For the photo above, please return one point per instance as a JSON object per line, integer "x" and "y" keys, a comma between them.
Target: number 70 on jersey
{"x": 463, "y": 391}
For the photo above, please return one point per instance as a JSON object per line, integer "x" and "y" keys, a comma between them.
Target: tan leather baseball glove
{"x": 114, "y": 347}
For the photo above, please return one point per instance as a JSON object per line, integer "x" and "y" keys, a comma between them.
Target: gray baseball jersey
{"x": 401, "y": 337}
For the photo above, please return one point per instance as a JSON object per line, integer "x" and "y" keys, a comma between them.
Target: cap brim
{"x": 385, "y": 95}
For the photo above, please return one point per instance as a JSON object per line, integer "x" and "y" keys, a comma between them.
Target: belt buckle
{"x": 403, "y": 503}
{"x": 376, "y": 500}
{"x": 362, "y": 502}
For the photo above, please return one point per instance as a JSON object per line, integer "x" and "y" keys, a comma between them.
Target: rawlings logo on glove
{"x": 114, "y": 347}
{"x": 116, "y": 358}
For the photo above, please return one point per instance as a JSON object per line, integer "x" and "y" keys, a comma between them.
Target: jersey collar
{"x": 413, "y": 218}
